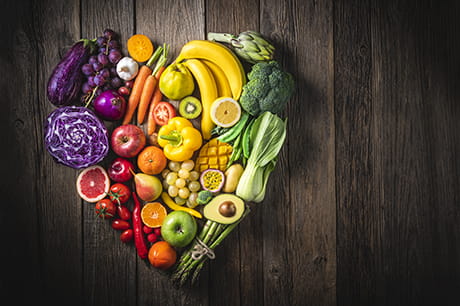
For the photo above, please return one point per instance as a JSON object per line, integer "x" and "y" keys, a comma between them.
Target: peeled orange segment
{"x": 140, "y": 47}
{"x": 225, "y": 112}
{"x": 153, "y": 214}
{"x": 93, "y": 184}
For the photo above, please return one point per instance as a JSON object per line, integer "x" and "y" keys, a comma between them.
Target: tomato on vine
{"x": 105, "y": 209}
{"x": 119, "y": 193}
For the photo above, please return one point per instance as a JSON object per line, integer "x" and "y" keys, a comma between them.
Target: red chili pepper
{"x": 139, "y": 240}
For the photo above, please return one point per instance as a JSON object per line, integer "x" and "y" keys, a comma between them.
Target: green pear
{"x": 148, "y": 187}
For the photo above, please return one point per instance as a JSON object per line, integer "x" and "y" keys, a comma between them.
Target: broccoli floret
{"x": 268, "y": 89}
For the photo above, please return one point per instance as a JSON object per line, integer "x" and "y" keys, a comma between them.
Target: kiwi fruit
{"x": 190, "y": 107}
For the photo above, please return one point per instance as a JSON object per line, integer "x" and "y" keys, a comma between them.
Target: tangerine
{"x": 153, "y": 214}
{"x": 151, "y": 160}
{"x": 162, "y": 255}
{"x": 140, "y": 47}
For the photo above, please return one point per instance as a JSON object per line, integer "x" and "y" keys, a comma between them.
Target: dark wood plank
{"x": 357, "y": 195}
{"x": 109, "y": 266}
{"x": 396, "y": 133}
{"x": 174, "y": 23}
{"x": 415, "y": 93}
{"x": 20, "y": 174}
{"x": 299, "y": 213}
{"x": 236, "y": 273}
{"x": 57, "y": 27}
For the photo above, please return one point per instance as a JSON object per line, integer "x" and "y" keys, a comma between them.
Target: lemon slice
{"x": 225, "y": 112}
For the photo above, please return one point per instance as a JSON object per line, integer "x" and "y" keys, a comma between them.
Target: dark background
{"x": 363, "y": 208}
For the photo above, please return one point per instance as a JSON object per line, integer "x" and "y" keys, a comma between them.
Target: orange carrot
{"x": 157, "y": 97}
{"x": 146, "y": 96}
{"x": 159, "y": 72}
{"x": 150, "y": 85}
{"x": 138, "y": 85}
{"x": 151, "y": 125}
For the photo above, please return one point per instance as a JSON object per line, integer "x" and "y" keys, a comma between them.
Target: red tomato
{"x": 119, "y": 193}
{"x": 127, "y": 236}
{"x": 120, "y": 225}
{"x": 162, "y": 112}
{"x": 123, "y": 212}
{"x": 152, "y": 238}
{"x": 105, "y": 209}
{"x": 147, "y": 230}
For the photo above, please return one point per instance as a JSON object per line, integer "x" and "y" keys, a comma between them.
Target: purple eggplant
{"x": 65, "y": 82}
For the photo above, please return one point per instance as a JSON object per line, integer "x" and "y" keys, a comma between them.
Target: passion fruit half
{"x": 212, "y": 180}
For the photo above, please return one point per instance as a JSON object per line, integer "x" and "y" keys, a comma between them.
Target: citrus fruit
{"x": 153, "y": 214}
{"x": 162, "y": 255}
{"x": 140, "y": 48}
{"x": 151, "y": 160}
{"x": 225, "y": 112}
{"x": 93, "y": 184}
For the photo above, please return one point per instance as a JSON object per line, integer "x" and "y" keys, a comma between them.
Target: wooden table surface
{"x": 363, "y": 208}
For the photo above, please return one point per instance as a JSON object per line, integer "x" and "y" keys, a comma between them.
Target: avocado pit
{"x": 227, "y": 209}
{"x": 224, "y": 208}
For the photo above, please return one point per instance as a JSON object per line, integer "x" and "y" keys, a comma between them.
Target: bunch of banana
{"x": 218, "y": 73}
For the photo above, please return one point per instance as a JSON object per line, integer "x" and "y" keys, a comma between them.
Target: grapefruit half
{"x": 93, "y": 184}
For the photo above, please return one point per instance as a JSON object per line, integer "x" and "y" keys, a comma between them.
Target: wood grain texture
{"x": 307, "y": 46}
{"x": 109, "y": 266}
{"x": 19, "y": 181}
{"x": 60, "y": 227}
{"x": 393, "y": 88}
{"x": 362, "y": 208}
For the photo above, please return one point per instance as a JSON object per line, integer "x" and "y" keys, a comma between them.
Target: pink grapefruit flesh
{"x": 93, "y": 184}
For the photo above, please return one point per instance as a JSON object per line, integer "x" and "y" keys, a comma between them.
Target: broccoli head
{"x": 268, "y": 89}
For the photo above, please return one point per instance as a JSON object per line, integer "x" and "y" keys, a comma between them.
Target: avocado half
{"x": 224, "y": 208}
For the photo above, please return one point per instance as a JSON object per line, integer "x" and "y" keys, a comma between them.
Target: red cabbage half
{"x": 76, "y": 137}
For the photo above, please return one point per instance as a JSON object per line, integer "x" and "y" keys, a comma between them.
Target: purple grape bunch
{"x": 100, "y": 70}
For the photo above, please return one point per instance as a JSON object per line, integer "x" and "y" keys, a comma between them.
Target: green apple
{"x": 178, "y": 228}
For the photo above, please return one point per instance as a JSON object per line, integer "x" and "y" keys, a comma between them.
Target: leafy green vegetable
{"x": 268, "y": 89}
{"x": 267, "y": 137}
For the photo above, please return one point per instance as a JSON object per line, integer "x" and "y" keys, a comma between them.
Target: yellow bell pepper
{"x": 179, "y": 139}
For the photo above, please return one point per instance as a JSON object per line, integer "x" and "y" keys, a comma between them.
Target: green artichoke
{"x": 249, "y": 45}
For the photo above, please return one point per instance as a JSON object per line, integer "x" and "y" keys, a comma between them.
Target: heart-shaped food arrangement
{"x": 194, "y": 138}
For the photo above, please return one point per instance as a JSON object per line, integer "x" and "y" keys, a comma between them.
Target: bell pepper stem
{"x": 174, "y": 138}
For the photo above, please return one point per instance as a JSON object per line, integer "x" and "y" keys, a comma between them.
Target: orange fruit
{"x": 153, "y": 214}
{"x": 151, "y": 160}
{"x": 140, "y": 47}
{"x": 162, "y": 255}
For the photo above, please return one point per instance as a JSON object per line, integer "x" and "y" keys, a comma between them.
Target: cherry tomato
{"x": 162, "y": 112}
{"x": 127, "y": 236}
{"x": 119, "y": 193}
{"x": 147, "y": 230}
{"x": 120, "y": 225}
{"x": 123, "y": 212}
{"x": 157, "y": 231}
{"x": 152, "y": 237}
{"x": 105, "y": 209}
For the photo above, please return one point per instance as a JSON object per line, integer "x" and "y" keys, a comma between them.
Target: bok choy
{"x": 266, "y": 139}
